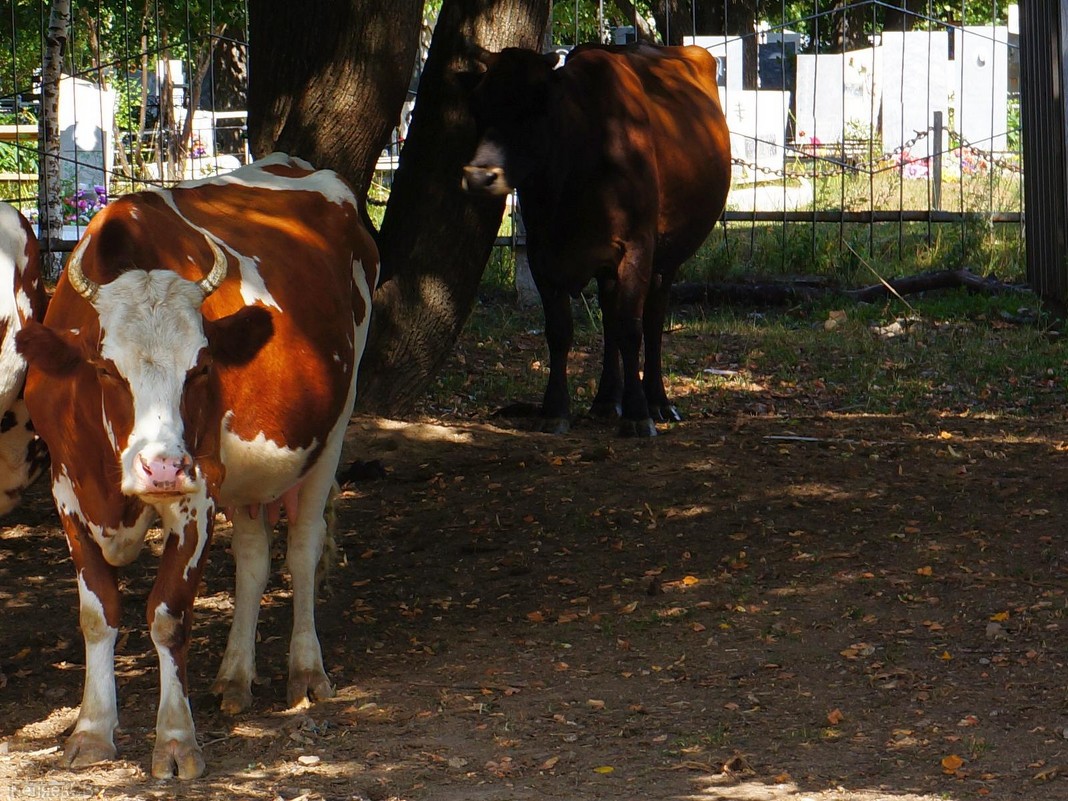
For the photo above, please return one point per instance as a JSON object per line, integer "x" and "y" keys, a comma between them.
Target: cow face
{"x": 153, "y": 365}
{"x": 509, "y": 104}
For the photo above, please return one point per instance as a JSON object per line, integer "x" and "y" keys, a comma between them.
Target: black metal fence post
{"x": 1043, "y": 80}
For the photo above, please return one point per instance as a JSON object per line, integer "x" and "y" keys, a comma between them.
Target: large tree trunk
{"x": 327, "y": 79}
{"x": 435, "y": 241}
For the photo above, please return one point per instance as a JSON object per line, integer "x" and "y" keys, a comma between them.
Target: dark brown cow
{"x": 23, "y": 456}
{"x": 200, "y": 353}
{"x": 622, "y": 162}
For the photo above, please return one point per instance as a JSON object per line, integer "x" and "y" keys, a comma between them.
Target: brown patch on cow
{"x": 237, "y": 338}
{"x": 287, "y": 170}
{"x": 167, "y": 629}
{"x": 29, "y": 278}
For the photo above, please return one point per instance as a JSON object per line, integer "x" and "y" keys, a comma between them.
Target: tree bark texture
{"x": 327, "y": 79}
{"x": 435, "y": 241}
{"x": 326, "y": 82}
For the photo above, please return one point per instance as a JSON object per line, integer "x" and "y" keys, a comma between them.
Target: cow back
{"x": 688, "y": 134}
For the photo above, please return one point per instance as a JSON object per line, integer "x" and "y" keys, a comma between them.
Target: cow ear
{"x": 236, "y": 339}
{"x": 46, "y": 350}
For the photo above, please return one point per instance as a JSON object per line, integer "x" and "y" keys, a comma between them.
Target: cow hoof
{"x": 554, "y": 425}
{"x": 606, "y": 410}
{"x": 236, "y": 696}
{"x": 177, "y": 757}
{"x": 637, "y": 428}
{"x": 308, "y": 685}
{"x": 85, "y": 748}
{"x": 666, "y": 413}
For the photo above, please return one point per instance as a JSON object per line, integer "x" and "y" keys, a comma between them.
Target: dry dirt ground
{"x": 765, "y": 603}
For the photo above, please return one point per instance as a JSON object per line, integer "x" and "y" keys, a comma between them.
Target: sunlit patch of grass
{"x": 953, "y": 351}
{"x": 855, "y": 254}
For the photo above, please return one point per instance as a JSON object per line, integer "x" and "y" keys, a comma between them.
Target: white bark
{"x": 50, "y": 192}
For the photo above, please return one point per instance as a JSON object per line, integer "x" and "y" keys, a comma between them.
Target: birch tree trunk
{"x": 50, "y": 190}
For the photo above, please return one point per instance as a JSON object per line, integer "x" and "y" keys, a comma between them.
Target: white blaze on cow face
{"x": 161, "y": 333}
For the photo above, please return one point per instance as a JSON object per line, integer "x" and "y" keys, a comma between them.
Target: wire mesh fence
{"x": 149, "y": 94}
{"x": 859, "y": 121}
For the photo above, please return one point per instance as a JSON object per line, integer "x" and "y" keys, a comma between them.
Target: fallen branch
{"x": 777, "y": 293}
{"x": 941, "y": 279}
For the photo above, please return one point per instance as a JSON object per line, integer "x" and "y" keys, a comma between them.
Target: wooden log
{"x": 795, "y": 290}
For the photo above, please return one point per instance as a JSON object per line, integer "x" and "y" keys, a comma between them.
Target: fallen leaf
{"x": 550, "y": 763}
{"x": 737, "y": 764}
{"x": 835, "y": 716}
{"x": 1048, "y": 773}
{"x": 626, "y": 610}
{"x": 952, "y": 763}
{"x": 603, "y": 769}
{"x": 1000, "y": 617}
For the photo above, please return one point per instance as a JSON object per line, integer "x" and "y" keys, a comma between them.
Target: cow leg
{"x": 251, "y": 545}
{"x": 93, "y": 739}
{"x": 307, "y": 534}
{"x": 660, "y": 408}
{"x": 170, "y": 621}
{"x": 608, "y": 402}
{"x": 559, "y": 330}
{"x": 630, "y": 302}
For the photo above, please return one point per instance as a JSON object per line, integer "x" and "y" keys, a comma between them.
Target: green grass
{"x": 954, "y": 352}
{"x": 854, "y": 254}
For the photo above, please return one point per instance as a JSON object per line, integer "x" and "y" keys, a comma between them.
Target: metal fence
{"x": 149, "y": 94}
{"x": 861, "y": 116}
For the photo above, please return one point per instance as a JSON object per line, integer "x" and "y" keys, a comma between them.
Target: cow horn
{"x": 76, "y": 278}
{"x": 213, "y": 279}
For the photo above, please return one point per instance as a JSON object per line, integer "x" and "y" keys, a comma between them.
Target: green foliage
{"x": 18, "y": 156}
{"x": 170, "y": 30}
{"x": 817, "y": 20}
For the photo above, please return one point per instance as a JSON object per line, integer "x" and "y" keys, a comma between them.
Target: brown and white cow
{"x": 23, "y": 456}
{"x": 200, "y": 353}
{"x": 621, "y": 158}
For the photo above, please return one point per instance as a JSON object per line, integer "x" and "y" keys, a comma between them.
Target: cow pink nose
{"x": 167, "y": 474}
